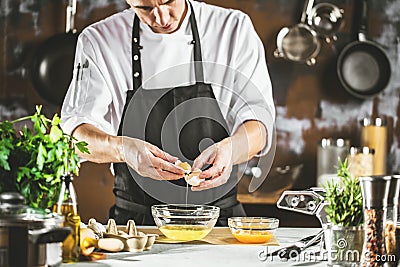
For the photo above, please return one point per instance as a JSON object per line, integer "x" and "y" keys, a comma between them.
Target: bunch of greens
{"x": 32, "y": 162}
{"x": 344, "y": 199}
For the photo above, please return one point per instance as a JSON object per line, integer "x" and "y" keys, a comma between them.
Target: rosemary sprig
{"x": 344, "y": 198}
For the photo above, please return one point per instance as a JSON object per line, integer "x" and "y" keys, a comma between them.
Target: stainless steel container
{"x": 26, "y": 232}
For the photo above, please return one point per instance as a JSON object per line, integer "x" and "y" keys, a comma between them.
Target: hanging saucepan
{"x": 52, "y": 64}
{"x": 363, "y": 67}
{"x": 326, "y": 19}
{"x": 299, "y": 43}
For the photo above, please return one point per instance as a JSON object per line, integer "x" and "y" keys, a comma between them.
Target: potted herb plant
{"x": 32, "y": 161}
{"x": 344, "y": 234}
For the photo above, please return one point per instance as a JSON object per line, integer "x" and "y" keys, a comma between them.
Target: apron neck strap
{"x": 136, "y": 59}
{"x": 198, "y": 65}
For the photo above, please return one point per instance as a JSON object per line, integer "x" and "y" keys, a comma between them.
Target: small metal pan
{"x": 299, "y": 43}
{"x": 363, "y": 67}
{"x": 326, "y": 19}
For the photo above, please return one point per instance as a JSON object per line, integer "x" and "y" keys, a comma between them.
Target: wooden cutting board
{"x": 217, "y": 236}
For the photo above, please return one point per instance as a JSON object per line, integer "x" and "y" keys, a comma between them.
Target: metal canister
{"x": 374, "y": 135}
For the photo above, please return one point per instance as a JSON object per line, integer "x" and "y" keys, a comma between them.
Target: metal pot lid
{"x": 13, "y": 212}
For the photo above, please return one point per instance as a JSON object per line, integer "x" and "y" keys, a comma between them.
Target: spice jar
{"x": 374, "y": 135}
{"x": 375, "y": 190}
{"x": 361, "y": 161}
{"x": 328, "y": 152}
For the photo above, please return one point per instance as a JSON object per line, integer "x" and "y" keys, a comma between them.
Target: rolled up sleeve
{"x": 89, "y": 98}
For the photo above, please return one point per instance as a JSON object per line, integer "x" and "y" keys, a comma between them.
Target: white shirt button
{"x": 136, "y": 74}
{"x": 135, "y": 57}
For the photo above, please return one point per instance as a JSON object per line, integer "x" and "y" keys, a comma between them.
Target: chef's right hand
{"x": 150, "y": 161}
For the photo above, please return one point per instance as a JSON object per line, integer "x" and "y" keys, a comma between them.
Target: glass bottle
{"x": 68, "y": 207}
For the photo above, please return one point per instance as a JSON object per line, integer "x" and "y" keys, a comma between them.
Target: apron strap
{"x": 198, "y": 60}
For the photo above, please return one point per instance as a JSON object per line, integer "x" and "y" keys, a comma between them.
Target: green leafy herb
{"x": 344, "y": 199}
{"x": 32, "y": 162}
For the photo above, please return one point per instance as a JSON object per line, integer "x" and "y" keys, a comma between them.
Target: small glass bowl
{"x": 185, "y": 222}
{"x": 253, "y": 230}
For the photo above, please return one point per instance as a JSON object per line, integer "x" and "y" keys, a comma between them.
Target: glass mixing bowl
{"x": 185, "y": 222}
{"x": 253, "y": 230}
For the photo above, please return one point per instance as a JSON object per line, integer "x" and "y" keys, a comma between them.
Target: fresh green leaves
{"x": 344, "y": 199}
{"x": 6, "y": 144}
{"x": 33, "y": 161}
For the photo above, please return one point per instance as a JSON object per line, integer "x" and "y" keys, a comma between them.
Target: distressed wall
{"x": 310, "y": 102}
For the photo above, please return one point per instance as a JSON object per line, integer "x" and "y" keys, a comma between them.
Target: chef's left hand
{"x": 219, "y": 156}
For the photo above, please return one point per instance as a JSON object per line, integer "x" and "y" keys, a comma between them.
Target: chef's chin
{"x": 170, "y": 28}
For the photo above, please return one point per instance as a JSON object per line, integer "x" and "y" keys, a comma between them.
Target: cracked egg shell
{"x": 184, "y": 165}
{"x": 193, "y": 178}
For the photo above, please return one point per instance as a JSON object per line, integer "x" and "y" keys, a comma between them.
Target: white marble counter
{"x": 207, "y": 255}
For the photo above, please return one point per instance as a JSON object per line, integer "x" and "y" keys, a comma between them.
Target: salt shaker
{"x": 375, "y": 191}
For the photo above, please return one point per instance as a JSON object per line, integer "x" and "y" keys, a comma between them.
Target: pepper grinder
{"x": 375, "y": 191}
{"x": 392, "y": 215}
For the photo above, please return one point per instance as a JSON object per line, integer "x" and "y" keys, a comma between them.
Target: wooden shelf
{"x": 258, "y": 199}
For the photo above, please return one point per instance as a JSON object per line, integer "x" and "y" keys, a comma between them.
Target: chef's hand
{"x": 219, "y": 155}
{"x": 150, "y": 161}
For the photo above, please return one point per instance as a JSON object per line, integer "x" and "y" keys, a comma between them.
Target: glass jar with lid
{"x": 361, "y": 161}
{"x": 328, "y": 152}
{"x": 374, "y": 135}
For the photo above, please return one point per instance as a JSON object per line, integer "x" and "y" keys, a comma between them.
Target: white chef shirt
{"x": 233, "y": 59}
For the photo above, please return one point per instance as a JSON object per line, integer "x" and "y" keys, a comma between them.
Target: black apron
{"x": 177, "y": 120}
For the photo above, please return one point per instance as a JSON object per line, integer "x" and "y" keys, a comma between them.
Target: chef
{"x": 169, "y": 80}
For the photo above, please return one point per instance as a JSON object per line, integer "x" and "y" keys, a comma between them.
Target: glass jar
{"x": 328, "y": 152}
{"x": 374, "y": 135}
{"x": 361, "y": 161}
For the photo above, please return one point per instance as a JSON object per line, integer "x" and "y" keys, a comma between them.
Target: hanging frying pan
{"x": 52, "y": 64}
{"x": 299, "y": 43}
{"x": 363, "y": 67}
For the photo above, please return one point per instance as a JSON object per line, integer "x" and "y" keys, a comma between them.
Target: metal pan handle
{"x": 70, "y": 22}
{"x": 362, "y": 32}
{"x": 308, "y": 5}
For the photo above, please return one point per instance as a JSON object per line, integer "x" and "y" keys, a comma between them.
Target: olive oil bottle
{"x": 67, "y": 206}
